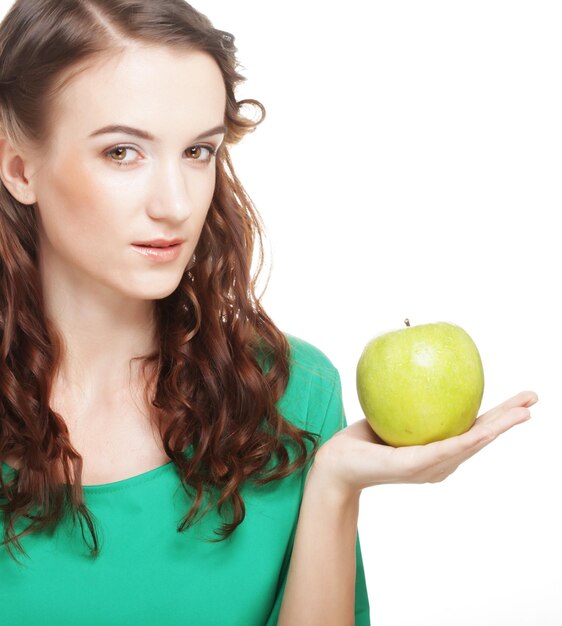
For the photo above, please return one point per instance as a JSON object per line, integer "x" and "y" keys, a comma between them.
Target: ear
{"x": 12, "y": 172}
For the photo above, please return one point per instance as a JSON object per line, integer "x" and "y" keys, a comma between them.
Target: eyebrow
{"x": 143, "y": 134}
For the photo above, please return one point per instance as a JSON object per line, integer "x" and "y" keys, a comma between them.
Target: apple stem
{"x": 407, "y": 322}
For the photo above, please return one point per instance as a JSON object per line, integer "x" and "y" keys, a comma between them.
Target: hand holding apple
{"x": 356, "y": 458}
{"x": 420, "y": 389}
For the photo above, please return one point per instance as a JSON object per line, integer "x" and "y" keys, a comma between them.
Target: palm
{"x": 355, "y": 457}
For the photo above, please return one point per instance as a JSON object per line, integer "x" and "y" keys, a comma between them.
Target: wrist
{"x": 320, "y": 482}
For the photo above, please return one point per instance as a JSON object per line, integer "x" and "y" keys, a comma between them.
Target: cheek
{"x": 203, "y": 185}
{"x": 72, "y": 205}
{"x": 203, "y": 199}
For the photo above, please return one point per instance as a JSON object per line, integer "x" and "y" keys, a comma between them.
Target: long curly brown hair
{"x": 221, "y": 364}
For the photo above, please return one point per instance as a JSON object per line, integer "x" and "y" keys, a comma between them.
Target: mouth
{"x": 159, "y": 254}
{"x": 147, "y": 245}
{"x": 159, "y": 243}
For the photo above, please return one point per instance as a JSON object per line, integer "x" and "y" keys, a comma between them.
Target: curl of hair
{"x": 221, "y": 364}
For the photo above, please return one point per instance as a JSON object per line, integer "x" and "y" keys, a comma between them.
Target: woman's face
{"x": 98, "y": 192}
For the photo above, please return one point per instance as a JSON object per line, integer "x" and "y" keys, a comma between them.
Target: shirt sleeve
{"x": 334, "y": 420}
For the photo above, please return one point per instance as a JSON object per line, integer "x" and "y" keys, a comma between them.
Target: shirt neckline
{"x": 118, "y": 485}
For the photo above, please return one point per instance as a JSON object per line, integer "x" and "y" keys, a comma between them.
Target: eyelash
{"x": 212, "y": 153}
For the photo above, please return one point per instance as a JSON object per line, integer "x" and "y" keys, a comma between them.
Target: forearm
{"x": 320, "y": 588}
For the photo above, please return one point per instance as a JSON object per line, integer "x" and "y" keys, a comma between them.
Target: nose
{"x": 171, "y": 198}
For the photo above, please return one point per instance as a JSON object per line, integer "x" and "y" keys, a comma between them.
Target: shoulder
{"x": 308, "y": 362}
{"x": 313, "y": 395}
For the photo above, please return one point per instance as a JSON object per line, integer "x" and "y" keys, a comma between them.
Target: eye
{"x": 194, "y": 153}
{"x": 121, "y": 150}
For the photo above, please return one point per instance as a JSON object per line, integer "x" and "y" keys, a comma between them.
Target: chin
{"x": 155, "y": 291}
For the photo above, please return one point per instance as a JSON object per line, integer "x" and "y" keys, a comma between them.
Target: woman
{"x": 153, "y": 419}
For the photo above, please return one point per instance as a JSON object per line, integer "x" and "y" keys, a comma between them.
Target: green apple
{"x": 421, "y": 383}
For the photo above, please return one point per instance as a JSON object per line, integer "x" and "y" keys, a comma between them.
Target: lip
{"x": 159, "y": 255}
{"x": 160, "y": 243}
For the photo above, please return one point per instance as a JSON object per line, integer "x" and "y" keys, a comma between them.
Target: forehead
{"x": 160, "y": 89}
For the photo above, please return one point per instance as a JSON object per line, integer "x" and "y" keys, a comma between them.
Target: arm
{"x": 320, "y": 588}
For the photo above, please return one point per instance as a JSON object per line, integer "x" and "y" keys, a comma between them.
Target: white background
{"x": 409, "y": 166}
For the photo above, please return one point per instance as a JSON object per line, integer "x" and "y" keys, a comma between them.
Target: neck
{"x": 100, "y": 336}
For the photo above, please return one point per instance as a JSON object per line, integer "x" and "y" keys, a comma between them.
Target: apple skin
{"x": 420, "y": 384}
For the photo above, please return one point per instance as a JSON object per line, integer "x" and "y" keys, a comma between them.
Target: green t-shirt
{"x": 149, "y": 574}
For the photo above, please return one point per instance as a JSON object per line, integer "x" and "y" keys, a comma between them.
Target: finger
{"x": 480, "y": 437}
{"x": 443, "y": 452}
{"x": 523, "y": 398}
{"x": 484, "y": 434}
{"x": 533, "y": 398}
{"x": 457, "y": 449}
{"x": 501, "y": 419}
{"x": 501, "y": 422}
